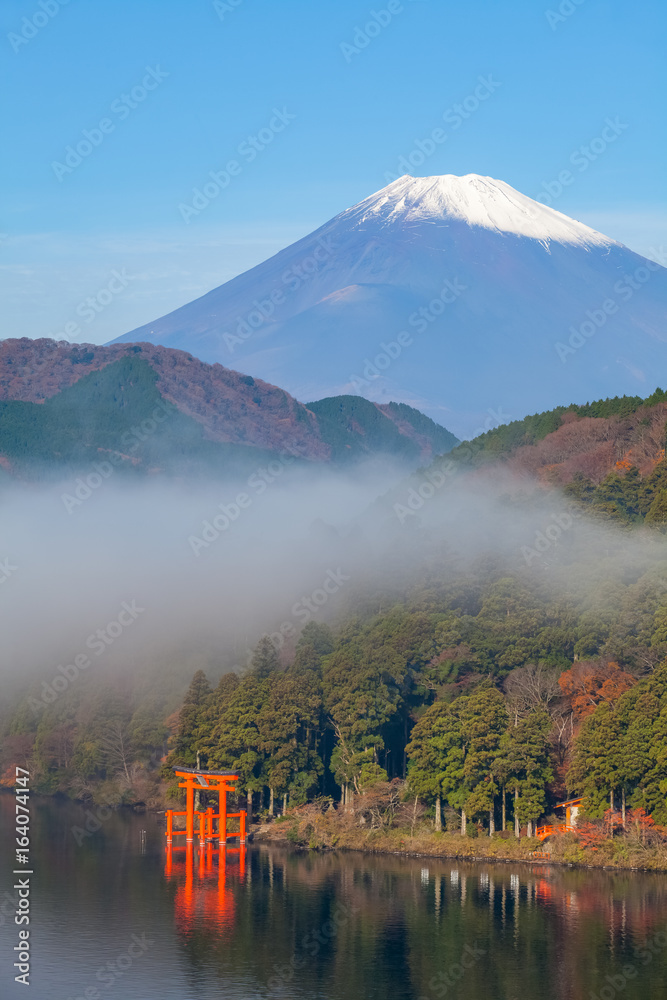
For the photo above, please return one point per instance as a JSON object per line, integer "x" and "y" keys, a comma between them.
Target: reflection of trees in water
{"x": 345, "y": 926}
{"x": 350, "y": 925}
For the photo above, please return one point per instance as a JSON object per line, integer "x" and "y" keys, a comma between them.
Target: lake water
{"x": 113, "y": 917}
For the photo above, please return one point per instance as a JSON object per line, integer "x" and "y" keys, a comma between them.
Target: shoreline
{"x": 563, "y": 853}
{"x": 304, "y": 831}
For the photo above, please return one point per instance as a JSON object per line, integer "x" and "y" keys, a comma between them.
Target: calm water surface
{"x": 115, "y": 918}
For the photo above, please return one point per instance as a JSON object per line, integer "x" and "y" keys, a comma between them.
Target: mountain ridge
{"x": 88, "y": 392}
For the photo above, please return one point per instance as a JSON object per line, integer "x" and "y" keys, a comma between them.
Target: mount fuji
{"x": 457, "y": 295}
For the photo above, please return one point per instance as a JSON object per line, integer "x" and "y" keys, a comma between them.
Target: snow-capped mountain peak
{"x": 477, "y": 201}
{"x": 456, "y": 295}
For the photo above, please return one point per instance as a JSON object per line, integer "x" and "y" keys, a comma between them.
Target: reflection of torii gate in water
{"x": 201, "y": 899}
{"x": 221, "y": 782}
{"x": 205, "y": 900}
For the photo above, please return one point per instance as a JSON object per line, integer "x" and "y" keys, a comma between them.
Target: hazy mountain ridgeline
{"x": 151, "y": 409}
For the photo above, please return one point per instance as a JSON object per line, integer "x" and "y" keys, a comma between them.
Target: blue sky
{"x": 351, "y": 103}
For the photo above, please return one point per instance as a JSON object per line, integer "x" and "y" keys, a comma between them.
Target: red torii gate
{"x": 221, "y": 782}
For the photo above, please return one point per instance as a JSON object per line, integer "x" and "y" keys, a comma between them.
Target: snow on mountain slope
{"x": 477, "y": 201}
{"x": 457, "y": 295}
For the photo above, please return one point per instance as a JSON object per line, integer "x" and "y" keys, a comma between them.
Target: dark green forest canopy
{"x": 337, "y": 414}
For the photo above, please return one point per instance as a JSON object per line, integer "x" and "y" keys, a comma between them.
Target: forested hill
{"x": 492, "y": 663}
{"x": 152, "y": 409}
{"x": 607, "y": 457}
{"x": 591, "y": 440}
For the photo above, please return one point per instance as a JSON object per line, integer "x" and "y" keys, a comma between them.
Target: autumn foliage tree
{"x": 622, "y": 748}
{"x": 589, "y": 683}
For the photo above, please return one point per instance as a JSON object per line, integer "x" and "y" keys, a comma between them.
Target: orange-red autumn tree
{"x": 588, "y": 683}
{"x": 16, "y": 752}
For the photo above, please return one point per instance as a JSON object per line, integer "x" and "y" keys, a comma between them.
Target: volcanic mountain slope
{"x": 455, "y": 294}
{"x": 70, "y": 404}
